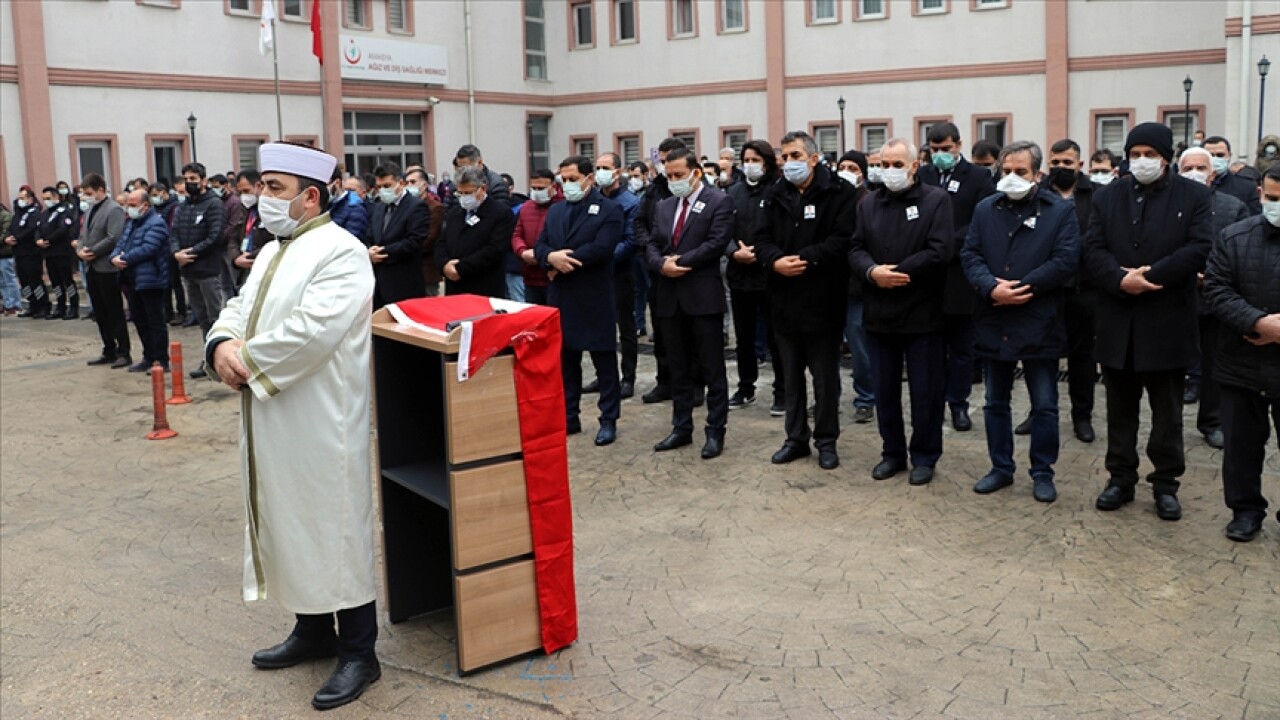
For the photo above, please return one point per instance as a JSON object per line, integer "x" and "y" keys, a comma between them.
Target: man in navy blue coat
{"x": 1022, "y": 249}
{"x": 576, "y": 248}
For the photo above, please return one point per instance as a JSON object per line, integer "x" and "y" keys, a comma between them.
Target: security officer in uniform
{"x": 27, "y": 256}
{"x": 57, "y": 230}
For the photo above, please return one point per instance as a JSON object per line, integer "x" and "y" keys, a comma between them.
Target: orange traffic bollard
{"x": 180, "y": 396}
{"x": 160, "y": 425}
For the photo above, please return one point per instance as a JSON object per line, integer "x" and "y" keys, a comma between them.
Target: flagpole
{"x": 275, "y": 62}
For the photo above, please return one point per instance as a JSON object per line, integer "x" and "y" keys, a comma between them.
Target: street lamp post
{"x": 840, "y": 104}
{"x": 1186, "y": 114}
{"x": 191, "y": 125}
{"x": 1264, "y": 67}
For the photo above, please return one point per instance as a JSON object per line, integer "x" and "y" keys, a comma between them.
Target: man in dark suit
{"x": 1148, "y": 238}
{"x": 397, "y": 232}
{"x": 689, "y": 234}
{"x": 966, "y": 184}
{"x": 576, "y": 249}
{"x": 1225, "y": 181}
{"x": 473, "y": 247}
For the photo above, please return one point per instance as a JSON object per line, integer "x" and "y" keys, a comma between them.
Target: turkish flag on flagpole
{"x": 317, "y": 44}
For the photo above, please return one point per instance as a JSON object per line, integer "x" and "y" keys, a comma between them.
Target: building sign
{"x": 393, "y": 61}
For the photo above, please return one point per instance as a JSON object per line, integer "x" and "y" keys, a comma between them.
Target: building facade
{"x": 111, "y": 85}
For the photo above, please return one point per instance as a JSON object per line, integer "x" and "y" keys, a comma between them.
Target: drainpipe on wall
{"x": 1246, "y": 77}
{"x": 471, "y": 90}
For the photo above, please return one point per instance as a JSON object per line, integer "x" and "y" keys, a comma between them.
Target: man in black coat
{"x": 576, "y": 248}
{"x": 22, "y": 234}
{"x": 803, "y": 239}
{"x": 1225, "y": 181}
{"x": 967, "y": 184}
{"x": 1242, "y": 287}
{"x": 1147, "y": 241}
{"x": 476, "y": 239}
{"x": 902, "y": 247}
{"x": 395, "y": 237}
{"x": 656, "y": 193}
{"x": 58, "y": 226}
{"x": 689, "y": 234}
{"x": 200, "y": 249}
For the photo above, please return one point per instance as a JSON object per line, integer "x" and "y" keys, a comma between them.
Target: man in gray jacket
{"x": 103, "y": 224}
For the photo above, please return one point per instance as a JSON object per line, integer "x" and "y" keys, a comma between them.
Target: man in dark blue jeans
{"x": 1022, "y": 249}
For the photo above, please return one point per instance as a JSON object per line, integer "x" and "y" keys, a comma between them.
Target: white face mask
{"x": 851, "y": 177}
{"x": 276, "y": 216}
{"x": 1015, "y": 187}
{"x": 1146, "y": 170}
{"x": 388, "y": 195}
{"x": 542, "y": 197}
{"x": 605, "y": 177}
{"x": 468, "y": 202}
{"x": 1102, "y": 178}
{"x": 661, "y": 169}
{"x": 1220, "y": 165}
{"x": 50, "y": 203}
{"x": 874, "y": 174}
{"x": 413, "y": 190}
{"x": 895, "y": 179}
{"x": 1271, "y": 211}
{"x": 1196, "y": 176}
{"x": 753, "y": 171}
{"x": 248, "y": 199}
{"x": 133, "y": 212}
{"x": 636, "y": 184}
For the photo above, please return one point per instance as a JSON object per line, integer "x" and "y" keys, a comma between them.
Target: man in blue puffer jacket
{"x": 143, "y": 258}
{"x": 346, "y": 209}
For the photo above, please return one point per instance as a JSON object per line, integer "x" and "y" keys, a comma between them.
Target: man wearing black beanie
{"x": 1148, "y": 238}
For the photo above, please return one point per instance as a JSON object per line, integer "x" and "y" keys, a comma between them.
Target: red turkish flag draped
{"x": 533, "y": 332}
{"x": 317, "y": 44}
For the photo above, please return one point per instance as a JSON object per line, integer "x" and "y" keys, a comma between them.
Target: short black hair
{"x": 141, "y": 181}
{"x": 1217, "y": 139}
{"x": 942, "y": 132}
{"x": 764, "y": 150}
{"x": 253, "y": 176}
{"x": 93, "y": 181}
{"x": 582, "y": 162}
{"x": 194, "y": 167}
{"x": 219, "y": 178}
{"x": 639, "y": 165}
{"x": 417, "y": 171}
{"x": 1104, "y": 155}
{"x": 49, "y": 189}
{"x": 682, "y": 153}
{"x": 985, "y": 148}
{"x": 1065, "y": 145}
{"x": 1273, "y": 173}
{"x": 543, "y": 173}
{"x": 160, "y": 185}
{"x": 387, "y": 169}
{"x": 506, "y": 178}
{"x": 614, "y": 157}
{"x": 669, "y": 144}
{"x": 468, "y": 152}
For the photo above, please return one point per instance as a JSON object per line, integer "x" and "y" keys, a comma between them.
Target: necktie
{"x": 386, "y": 217}
{"x": 684, "y": 211}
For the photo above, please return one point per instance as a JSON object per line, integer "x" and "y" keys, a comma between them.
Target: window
{"x": 989, "y": 4}
{"x": 293, "y": 9}
{"x": 992, "y": 129}
{"x": 247, "y": 153}
{"x": 584, "y": 146}
{"x": 874, "y": 136}
{"x": 354, "y": 14}
{"x": 535, "y": 41}
{"x": 625, "y": 20}
{"x": 925, "y": 127}
{"x": 822, "y": 11}
{"x": 930, "y": 7}
{"x": 93, "y": 157}
{"x": 398, "y": 16}
{"x": 828, "y": 139}
{"x": 734, "y": 139}
{"x": 1182, "y": 125}
{"x": 682, "y": 19}
{"x": 166, "y": 159}
{"x": 239, "y": 6}
{"x": 1111, "y": 131}
{"x": 537, "y": 139}
{"x": 629, "y": 148}
{"x": 160, "y": 3}
{"x": 583, "y": 28}
{"x": 733, "y": 15}
{"x": 688, "y": 137}
{"x": 871, "y": 9}
{"x": 372, "y": 138}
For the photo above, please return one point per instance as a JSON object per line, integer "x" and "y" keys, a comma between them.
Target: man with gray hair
{"x": 476, "y": 239}
{"x": 1021, "y": 252}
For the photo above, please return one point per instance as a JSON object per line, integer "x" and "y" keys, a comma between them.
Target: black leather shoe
{"x": 1244, "y": 528}
{"x": 123, "y": 361}
{"x": 992, "y": 482}
{"x": 1114, "y": 497}
{"x": 960, "y": 420}
{"x": 920, "y": 475}
{"x": 1191, "y": 394}
{"x": 293, "y": 651}
{"x": 101, "y": 360}
{"x": 348, "y": 682}
{"x": 791, "y": 452}
{"x": 673, "y": 441}
{"x": 1084, "y": 431}
{"x": 1043, "y": 489}
{"x": 863, "y": 415}
{"x": 713, "y": 447}
{"x": 887, "y": 469}
{"x": 608, "y": 433}
{"x": 73, "y": 315}
{"x": 591, "y": 387}
{"x": 828, "y": 459}
{"x": 1215, "y": 439}
{"x": 198, "y": 373}
{"x": 572, "y": 426}
{"x": 1168, "y": 507}
{"x": 1023, "y": 428}
{"x": 660, "y": 393}
{"x": 626, "y": 389}
{"x": 141, "y": 366}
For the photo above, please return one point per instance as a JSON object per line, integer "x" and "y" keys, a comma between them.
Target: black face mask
{"x": 1062, "y": 178}
{"x": 193, "y": 189}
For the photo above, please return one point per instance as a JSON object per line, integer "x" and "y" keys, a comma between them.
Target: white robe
{"x": 304, "y": 315}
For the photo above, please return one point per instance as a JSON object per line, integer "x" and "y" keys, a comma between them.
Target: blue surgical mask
{"x": 388, "y": 195}
{"x": 681, "y": 188}
{"x": 796, "y": 171}
{"x": 605, "y": 177}
{"x": 573, "y": 191}
{"x": 542, "y": 197}
{"x": 944, "y": 161}
{"x": 468, "y": 202}
{"x": 1271, "y": 211}
{"x": 1220, "y": 165}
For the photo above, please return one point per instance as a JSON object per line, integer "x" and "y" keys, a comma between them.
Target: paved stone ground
{"x": 729, "y": 588}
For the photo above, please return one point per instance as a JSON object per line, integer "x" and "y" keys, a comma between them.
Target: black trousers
{"x": 925, "y": 359}
{"x": 1209, "y": 415}
{"x": 177, "y": 296}
{"x": 30, "y": 269}
{"x": 1082, "y": 369}
{"x": 62, "y": 282}
{"x": 606, "y": 365}
{"x": 748, "y": 307}
{"x": 663, "y": 376}
{"x": 357, "y": 630}
{"x": 108, "y": 312}
{"x": 624, "y": 300}
{"x": 535, "y": 294}
{"x": 149, "y": 318}
{"x": 957, "y": 336}
{"x": 695, "y": 353}
{"x": 819, "y": 354}
{"x": 1164, "y": 445}
{"x": 1247, "y": 429}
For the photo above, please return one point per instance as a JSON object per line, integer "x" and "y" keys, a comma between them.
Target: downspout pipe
{"x": 1246, "y": 77}
{"x": 471, "y": 88}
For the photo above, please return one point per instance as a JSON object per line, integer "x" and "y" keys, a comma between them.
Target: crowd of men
{"x": 1161, "y": 267}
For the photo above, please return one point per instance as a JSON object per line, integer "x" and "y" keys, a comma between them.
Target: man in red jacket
{"x": 542, "y": 195}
